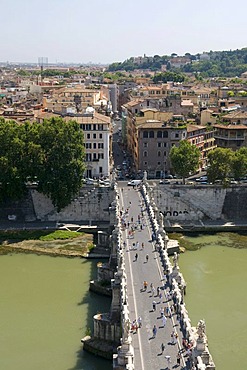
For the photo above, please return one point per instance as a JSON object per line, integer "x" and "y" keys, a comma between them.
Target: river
{"x": 216, "y": 276}
{"x": 45, "y": 309}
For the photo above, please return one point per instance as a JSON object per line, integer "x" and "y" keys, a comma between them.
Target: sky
{"x": 106, "y": 31}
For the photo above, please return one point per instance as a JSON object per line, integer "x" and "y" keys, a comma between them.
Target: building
{"x": 230, "y": 136}
{"x": 203, "y": 139}
{"x": 97, "y": 139}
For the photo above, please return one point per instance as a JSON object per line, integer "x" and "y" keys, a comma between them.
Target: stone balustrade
{"x": 195, "y": 336}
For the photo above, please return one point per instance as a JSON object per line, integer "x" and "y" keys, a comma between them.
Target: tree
{"x": 184, "y": 158}
{"x": 60, "y": 175}
{"x": 51, "y": 154}
{"x": 239, "y": 163}
{"x": 220, "y": 164}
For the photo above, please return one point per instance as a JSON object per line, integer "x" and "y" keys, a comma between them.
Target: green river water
{"x": 45, "y": 309}
{"x": 216, "y": 276}
{"x": 45, "y": 305}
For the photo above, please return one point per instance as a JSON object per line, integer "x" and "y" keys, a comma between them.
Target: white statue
{"x": 201, "y": 329}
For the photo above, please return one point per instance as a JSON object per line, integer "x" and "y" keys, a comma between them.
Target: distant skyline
{"x": 109, "y": 31}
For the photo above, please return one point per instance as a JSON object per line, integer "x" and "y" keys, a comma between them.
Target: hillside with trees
{"x": 229, "y": 63}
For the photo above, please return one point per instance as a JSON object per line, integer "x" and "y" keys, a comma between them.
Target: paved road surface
{"x": 148, "y": 354}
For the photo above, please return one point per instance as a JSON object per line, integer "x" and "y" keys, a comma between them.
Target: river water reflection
{"x": 216, "y": 278}
{"x": 45, "y": 309}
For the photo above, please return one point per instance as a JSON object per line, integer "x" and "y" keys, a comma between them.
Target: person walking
{"x": 164, "y": 319}
{"x": 154, "y": 305}
{"x": 178, "y": 359}
{"x": 154, "y": 331}
{"x": 168, "y": 359}
{"x": 139, "y": 321}
{"x": 162, "y": 348}
{"x": 147, "y": 258}
{"x": 136, "y": 256}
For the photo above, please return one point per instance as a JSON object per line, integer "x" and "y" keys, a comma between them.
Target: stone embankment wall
{"x": 91, "y": 205}
{"x": 197, "y": 202}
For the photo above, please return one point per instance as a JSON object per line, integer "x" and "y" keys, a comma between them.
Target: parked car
{"x": 134, "y": 182}
{"x": 165, "y": 182}
{"x": 202, "y": 179}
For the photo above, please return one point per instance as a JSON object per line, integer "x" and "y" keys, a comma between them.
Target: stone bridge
{"x": 148, "y": 326}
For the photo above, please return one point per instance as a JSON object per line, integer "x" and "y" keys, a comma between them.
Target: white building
{"x": 98, "y": 142}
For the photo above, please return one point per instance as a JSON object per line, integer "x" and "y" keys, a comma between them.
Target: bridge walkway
{"x": 147, "y": 348}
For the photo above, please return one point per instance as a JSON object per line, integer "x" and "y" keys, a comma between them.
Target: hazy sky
{"x": 113, "y": 30}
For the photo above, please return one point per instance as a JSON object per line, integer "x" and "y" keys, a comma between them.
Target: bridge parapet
{"x": 195, "y": 337}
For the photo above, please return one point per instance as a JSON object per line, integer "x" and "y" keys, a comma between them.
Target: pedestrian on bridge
{"x": 154, "y": 305}
{"x": 139, "y": 321}
{"x": 154, "y": 331}
{"x": 162, "y": 348}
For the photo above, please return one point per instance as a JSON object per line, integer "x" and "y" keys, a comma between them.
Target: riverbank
{"x": 43, "y": 243}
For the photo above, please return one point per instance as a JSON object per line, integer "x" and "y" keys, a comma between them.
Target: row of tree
{"x": 50, "y": 154}
{"x": 223, "y": 163}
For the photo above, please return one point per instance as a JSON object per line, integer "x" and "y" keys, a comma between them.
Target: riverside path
{"x": 137, "y": 245}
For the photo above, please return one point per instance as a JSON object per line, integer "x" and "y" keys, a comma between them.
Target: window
{"x": 145, "y": 163}
{"x": 177, "y": 135}
{"x": 94, "y": 145}
{"x": 94, "y": 155}
{"x": 88, "y": 145}
{"x": 165, "y": 133}
{"x": 100, "y": 127}
{"x": 151, "y": 134}
{"x": 145, "y": 145}
{"x": 145, "y": 134}
{"x": 164, "y": 154}
{"x": 88, "y": 157}
{"x": 100, "y": 145}
{"x": 88, "y": 127}
{"x": 158, "y": 163}
{"x": 88, "y": 136}
{"x": 94, "y": 135}
{"x": 164, "y": 145}
{"x": 100, "y": 169}
{"x": 159, "y": 134}
{"x": 145, "y": 154}
{"x": 159, "y": 145}
{"x": 158, "y": 153}
{"x": 100, "y": 136}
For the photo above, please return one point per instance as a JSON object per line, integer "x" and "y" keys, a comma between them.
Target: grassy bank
{"x": 54, "y": 243}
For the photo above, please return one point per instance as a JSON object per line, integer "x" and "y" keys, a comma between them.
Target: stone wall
{"x": 92, "y": 205}
{"x": 197, "y": 202}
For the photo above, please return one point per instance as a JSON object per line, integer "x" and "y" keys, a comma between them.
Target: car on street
{"x": 134, "y": 182}
{"x": 165, "y": 182}
{"x": 202, "y": 179}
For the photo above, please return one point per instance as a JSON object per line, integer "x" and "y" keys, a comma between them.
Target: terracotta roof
{"x": 231, "y": 127}
{"x": 191, "y": 128}
{"x": 237, "y": 115}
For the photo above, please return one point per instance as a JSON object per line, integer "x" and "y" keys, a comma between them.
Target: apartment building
{"x": 97, "y": 140}
{"x": 154, "y": 141}
{"x": 231, "y": 136}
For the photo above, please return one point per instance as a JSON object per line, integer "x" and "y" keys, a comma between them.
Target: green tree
{"x": 51, "y": 153}
{"x": 220, "y": 164}
{"x": 184, "y": 158}
{"x": 60, "y": 175}
{"x": 239, "y": 163}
